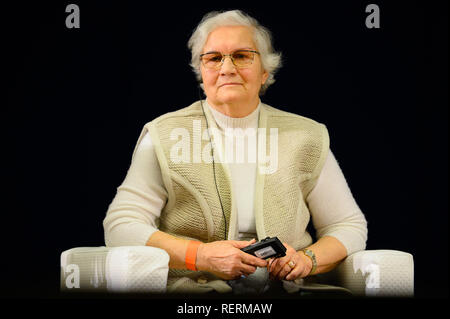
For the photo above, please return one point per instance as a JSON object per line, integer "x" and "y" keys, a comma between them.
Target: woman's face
{"x": 231, "y": 85}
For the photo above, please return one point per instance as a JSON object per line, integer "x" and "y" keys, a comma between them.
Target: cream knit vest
{"x": 193, "y": 209}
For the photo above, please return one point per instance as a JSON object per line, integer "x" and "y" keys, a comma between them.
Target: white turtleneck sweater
{"x": 133, "y": 215}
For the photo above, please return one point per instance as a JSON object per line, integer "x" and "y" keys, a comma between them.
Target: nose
{"x": 227, "y": 67}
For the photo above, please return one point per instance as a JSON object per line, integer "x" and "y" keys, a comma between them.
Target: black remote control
{"x": 266, "y": 248}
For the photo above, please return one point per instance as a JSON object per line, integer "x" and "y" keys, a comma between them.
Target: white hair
{"x": 270, "y": 60}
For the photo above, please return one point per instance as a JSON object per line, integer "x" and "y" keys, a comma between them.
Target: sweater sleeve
{"x": 333, "y": 209}
{"x": 132, "y": 216}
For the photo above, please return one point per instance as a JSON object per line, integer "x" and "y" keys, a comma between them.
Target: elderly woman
{"x": 202, "y": 209}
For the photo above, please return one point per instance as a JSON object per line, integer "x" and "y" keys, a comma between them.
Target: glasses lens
{"x": 212, "y": 60}
{"x": 243, "y": 58}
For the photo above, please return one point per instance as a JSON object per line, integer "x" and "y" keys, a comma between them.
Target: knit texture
{"x": 303, "y": 145}
{"x": 192, "y": 184}
{"x": 193, "y": 209}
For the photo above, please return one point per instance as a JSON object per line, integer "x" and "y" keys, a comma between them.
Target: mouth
{"x": 230, "y": 84}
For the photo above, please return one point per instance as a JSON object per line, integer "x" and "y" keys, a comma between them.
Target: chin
{"x": 231, "y": 97}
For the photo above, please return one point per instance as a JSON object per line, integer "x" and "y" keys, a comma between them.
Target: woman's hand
{"x": 226, "y": 260}
{"x": 290, "y": 267}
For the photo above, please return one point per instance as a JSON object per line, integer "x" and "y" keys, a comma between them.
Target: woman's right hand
{"x": 226, "y": 260}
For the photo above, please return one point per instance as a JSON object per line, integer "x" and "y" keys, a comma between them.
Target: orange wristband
{"x": 191, "y": 254}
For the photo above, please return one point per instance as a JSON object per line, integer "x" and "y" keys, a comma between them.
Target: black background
{"x": 77, "y": 100}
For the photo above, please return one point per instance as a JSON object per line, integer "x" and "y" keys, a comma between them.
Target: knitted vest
{"x": 193, "y": 209}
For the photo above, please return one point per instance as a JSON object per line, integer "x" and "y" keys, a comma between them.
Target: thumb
{"x": 243, "y": 243}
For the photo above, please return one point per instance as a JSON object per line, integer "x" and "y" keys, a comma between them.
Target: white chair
{"x": 383, "y": 273}
{"x": 114, "y": 269}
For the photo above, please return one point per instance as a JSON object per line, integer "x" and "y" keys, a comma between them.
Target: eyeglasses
{"x": 240, "y": 58}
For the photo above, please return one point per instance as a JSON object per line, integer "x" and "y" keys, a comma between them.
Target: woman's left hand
{"x": 290, "y": 267}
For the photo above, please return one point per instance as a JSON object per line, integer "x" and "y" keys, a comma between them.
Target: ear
{"x": 265, "y": 76}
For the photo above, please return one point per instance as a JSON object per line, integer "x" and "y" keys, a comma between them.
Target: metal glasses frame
{"x": 224, "y": 56}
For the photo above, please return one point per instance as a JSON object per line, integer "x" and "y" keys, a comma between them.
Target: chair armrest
{"x": 114, "y": 269}
{"x": 384, "y": 273}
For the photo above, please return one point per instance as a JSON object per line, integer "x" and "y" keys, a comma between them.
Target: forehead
{"x": 229, "y": 38}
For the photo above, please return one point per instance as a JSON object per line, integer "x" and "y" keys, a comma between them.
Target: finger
{"x": 275, "y": 269}
{"x": 298, "y": 270}
{"x": 274, "y": 264}
{"x": 253, "y": 260}
{"x": 295, "y": 273}
{"x": 279, "y": 264}
{"x": 286, "y": 269}
{"x": 247, "y": 269}
{"x": 269, "y": 263}
{"x": 243, "y": 273}
{"x": 242, "y": 243}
